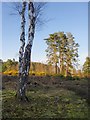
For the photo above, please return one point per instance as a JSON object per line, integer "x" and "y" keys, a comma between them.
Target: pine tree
{"x": 52, "y": 51}
{"x": 62, "y": 49}
{"x": 86, "y": 67}
{"x": 71, "y": 53}
{"x": 61, "y": 43}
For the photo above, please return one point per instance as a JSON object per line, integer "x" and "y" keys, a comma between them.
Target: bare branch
{"x": 17, "y": 8}
{"x": 39, "y": 12}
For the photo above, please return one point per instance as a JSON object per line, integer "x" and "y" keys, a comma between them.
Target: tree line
{"x": 62, "y": 58}
{"x": 10, "y": 67}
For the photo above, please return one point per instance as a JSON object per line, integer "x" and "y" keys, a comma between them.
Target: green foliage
{"x": 72, "y": 78}
{"x": 0, "y": 68}
{"x": 71, "y": 53}
{"x": 4, "y": 68}
{"x": 69, "y": 78}
{"x": 86, "y": 67}
{"x": 9, "y": 65}
{"x": 58, "y": 75}
{"x": 62, "y": 49}
{"x": 52, "y": 50}
{"x": 76, "y": 78}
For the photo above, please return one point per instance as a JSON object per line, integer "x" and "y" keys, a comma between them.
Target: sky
{"x": 63, "y": 16}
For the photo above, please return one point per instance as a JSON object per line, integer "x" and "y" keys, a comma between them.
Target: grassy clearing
{"x": 51, "y": 103}
{"x": 50, "y": 97}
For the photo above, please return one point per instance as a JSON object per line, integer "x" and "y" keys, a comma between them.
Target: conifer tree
{"x": 86, "y": 67}
{"x": 62, "y": 49}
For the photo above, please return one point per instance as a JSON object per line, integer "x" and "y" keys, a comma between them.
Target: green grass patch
{"x": 52, "y": 103}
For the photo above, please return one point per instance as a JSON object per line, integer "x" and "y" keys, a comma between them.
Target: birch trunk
{"x": 21, "y": 52}
{"x": 25, "y": 66}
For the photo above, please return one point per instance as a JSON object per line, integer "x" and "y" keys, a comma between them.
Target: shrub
{"x": 48, "y": 75}
{"x": 11, "y": 72}
{"x": 32, "y": 73}
{"x": 59, "y": 75}
{"x": 69, "y": 78}
{"x": 41, "y": 74}
{"x": 76, "y": 78}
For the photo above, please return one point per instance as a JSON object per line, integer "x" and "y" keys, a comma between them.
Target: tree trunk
{"x": 21, "y": 52}
{"x": 24, "y": 65}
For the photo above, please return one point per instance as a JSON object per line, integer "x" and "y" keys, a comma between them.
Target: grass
{"x": 50, "y": 97}
{"x": 51, "y": 103}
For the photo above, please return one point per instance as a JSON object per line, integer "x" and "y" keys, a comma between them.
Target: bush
{"x": 41, "y": 74}
{"x": 37, "y": 73}
{"x": 76, "y": 78}
{"x": 69, "y": 78}
{"x": 32, "y": 73}
{"x": 58, "y": 75}
{"x": 48, "y": 75}
{"x": 11, "y": 72}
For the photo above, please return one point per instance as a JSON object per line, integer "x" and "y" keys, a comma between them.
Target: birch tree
{"x": 34, "y": 18}
{"x": 27, "y": 54}
{"x": 21, "y": 82}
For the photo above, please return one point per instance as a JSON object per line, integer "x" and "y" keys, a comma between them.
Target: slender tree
{"x": 24, "y": 57}
{"x": 34, "y": 17}
{"x": 21, "y": 82}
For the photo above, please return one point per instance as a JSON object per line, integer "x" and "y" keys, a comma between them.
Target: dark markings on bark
{"x": 24, "y": 57}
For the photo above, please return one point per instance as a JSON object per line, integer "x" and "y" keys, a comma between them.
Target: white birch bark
{"x": 21, "y": 51}
{"x": 24, "y": 59}
{"x": 31, "y": 31}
